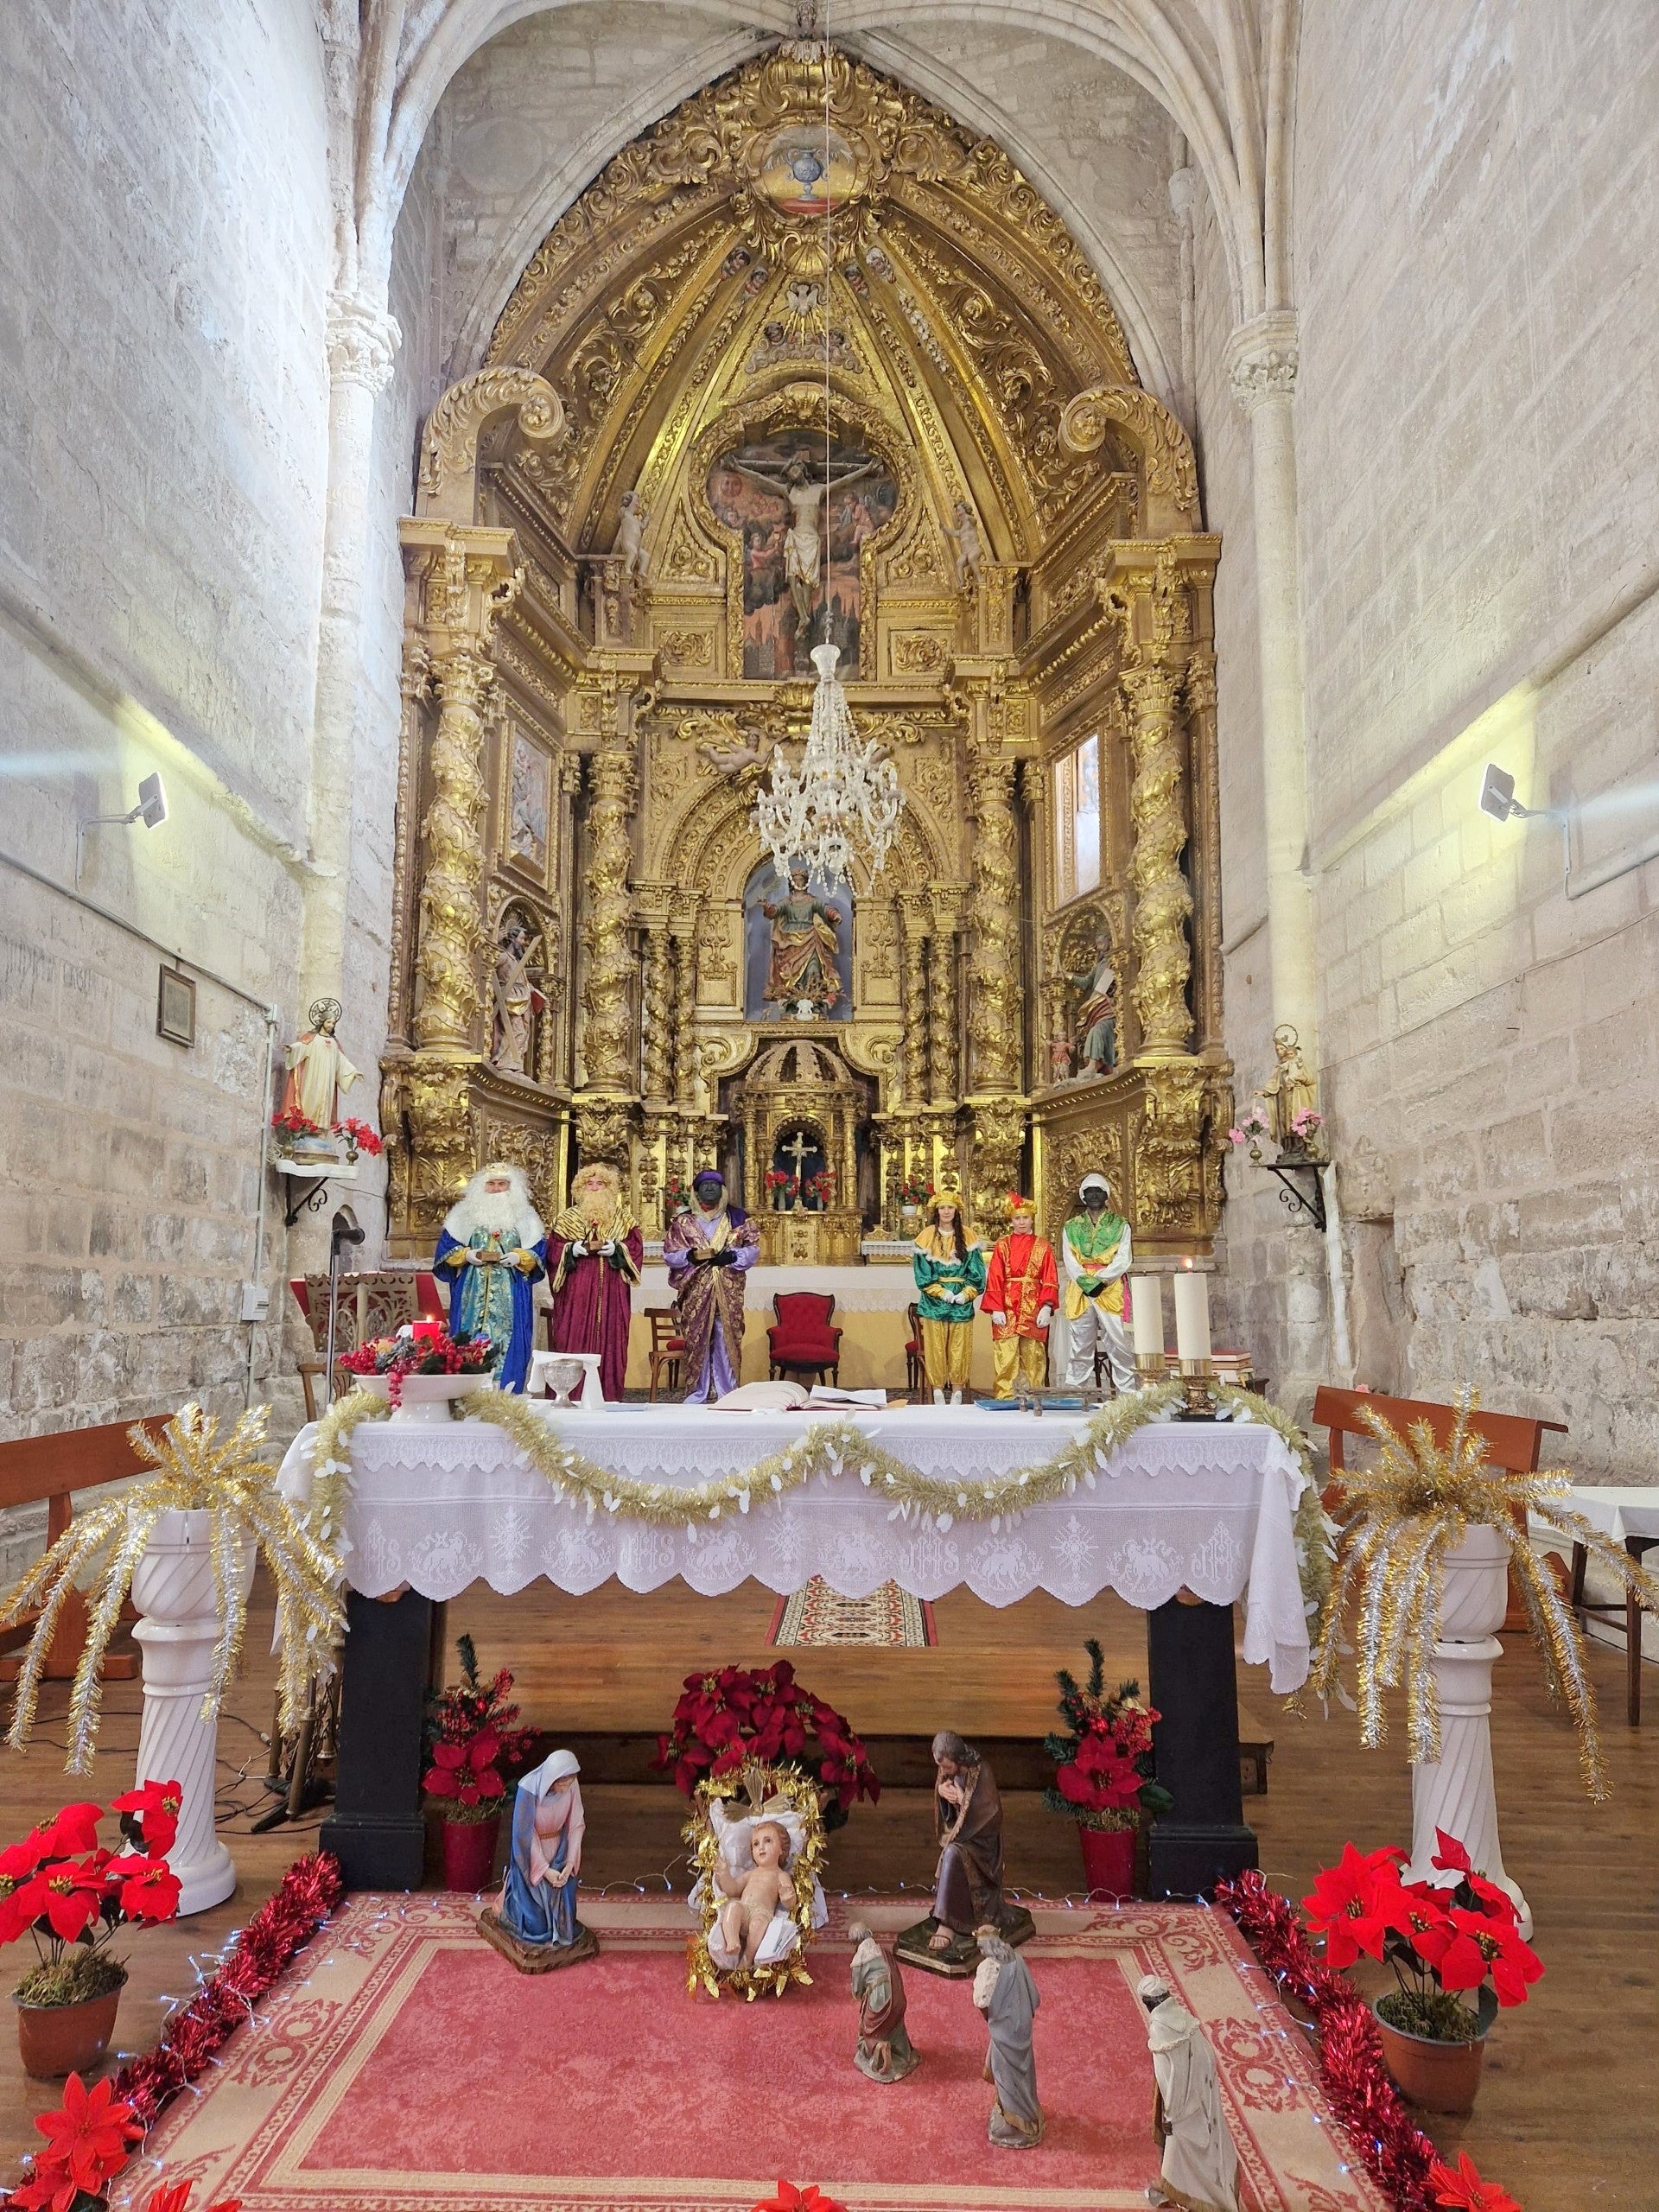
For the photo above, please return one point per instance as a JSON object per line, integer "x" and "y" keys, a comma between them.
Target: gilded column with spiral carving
{"x": 993, "y": 976}
{"x": 943, "y": 1036}
{"x": 1162, "y": 899}
{"x": 659, "y": 1017}
{"x": 915, "y": 923}
{"x": 1204, "y": 773}
{"x": 452, "y": 925}
{"x": 603, "y": 1121}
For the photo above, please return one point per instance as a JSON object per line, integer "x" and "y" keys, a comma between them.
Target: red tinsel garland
{"x": 283, "y": 1925}
{"x": 1396, "y": 2152}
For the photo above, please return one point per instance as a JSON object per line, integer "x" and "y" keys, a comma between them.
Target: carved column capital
{"x": 361, "y": 342}
{"x": 1263, "y": 358}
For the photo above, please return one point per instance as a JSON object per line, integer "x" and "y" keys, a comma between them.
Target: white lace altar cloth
{"x": 1206, "y": 1506}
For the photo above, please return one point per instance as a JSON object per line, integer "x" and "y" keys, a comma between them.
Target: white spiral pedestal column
{"x": 173, "y": 1589}
{"x": 1456, "y": 1793}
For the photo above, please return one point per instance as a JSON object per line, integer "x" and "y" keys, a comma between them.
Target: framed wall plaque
{"x": 175, "y": 1007}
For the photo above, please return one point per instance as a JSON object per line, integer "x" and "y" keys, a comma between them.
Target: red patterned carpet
{"x": 406, "y": 2067}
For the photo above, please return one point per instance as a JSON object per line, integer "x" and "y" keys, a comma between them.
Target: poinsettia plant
{"x": 425, "y": 1348}
{"x": 359, "y": 1137}
{"x": 1462, "y": 2188}
{"x": 71, "y": 1893}
{"x": 915, "y": 1191}
{"x": 727, "y": 1718}
{"x": 1104, "y": 1774}
{"x": 1445, "y": 1942}
{"x": 472, "y": 1733}
{"x": 811, "y": 2198}
{"x": 289, "y": 1122}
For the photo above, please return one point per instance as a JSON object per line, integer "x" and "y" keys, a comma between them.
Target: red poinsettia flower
{"x": 174, "y": 2197}
{"x": 49, "y": 2188}
{"x": 1479, "y": 1945}
{"x": 156, "y": 1806}
{"x": 1354, "y": 1903}
{"x": 1465, "y": 2190}
{"x": 19, "y": 1860}
{"x": 148, "y": 1888}
{"x": 89, "y": 2133}
{"x": 74, "y": 1831}
{"x": 790, "y": 2199}
{"x": 72, "y": 1896}
{"x": 466, "y": 1772}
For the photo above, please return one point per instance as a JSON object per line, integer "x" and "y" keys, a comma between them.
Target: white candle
{"x": 1147, "y": 1315}
{"x": 1191, "y": 1313}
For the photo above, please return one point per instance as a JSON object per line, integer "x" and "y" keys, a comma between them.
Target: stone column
{"x": 603, "y": 1120}
{"x": 1263, "y": 362}
{"x": 361, "y": 341}
{"x": 1162, "y": 899}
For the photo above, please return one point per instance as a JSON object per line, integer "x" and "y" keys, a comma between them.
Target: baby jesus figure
{"x": 753, "y": 1897}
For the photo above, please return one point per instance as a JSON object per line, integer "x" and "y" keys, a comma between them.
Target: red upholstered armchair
{"x": 802, "y": 1340}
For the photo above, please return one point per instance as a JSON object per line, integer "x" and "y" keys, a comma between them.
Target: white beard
{"x": 504, "y": 1214}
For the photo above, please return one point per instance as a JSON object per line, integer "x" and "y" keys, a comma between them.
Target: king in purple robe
{"x": 708, "y": 1250}
{"x": 595, "y": 1253}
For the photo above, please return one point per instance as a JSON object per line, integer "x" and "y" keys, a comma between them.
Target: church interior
{"x": 832, "y": 1273}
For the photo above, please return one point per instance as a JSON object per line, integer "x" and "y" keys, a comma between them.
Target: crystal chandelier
{"x": 841, "y": 798}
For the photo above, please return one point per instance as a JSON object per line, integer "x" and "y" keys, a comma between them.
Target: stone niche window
{"x": 1077, "y": 820}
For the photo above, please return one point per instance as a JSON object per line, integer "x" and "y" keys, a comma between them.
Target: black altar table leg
{"x": 1193, "y": 1684}
{"x": 376, "y": 1830}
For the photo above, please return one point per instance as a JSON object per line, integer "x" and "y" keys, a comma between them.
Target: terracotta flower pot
{"x": 469, "y": 1852}
{"x": 1108, "y": 1861}
{"x": 1437, "y": 2076}
{"x": 58, "y": 2039}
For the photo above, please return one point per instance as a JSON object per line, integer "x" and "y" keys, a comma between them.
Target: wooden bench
{"x": 1514, "y": 1441}
{"x": 55, "y": 1468}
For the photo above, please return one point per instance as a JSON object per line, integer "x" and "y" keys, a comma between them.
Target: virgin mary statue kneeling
{"x": 535, "y": 1923}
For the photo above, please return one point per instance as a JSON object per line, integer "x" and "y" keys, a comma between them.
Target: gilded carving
{"x": 993, "y": 981}
{"x": 449, "y": 447}
{"x": 919, "y": 652}
{"x": 1163, "y": 901}
{"x": 686, "y": 649}
{"x": 605, "y": 911}
{"x": 1165, "y": 449}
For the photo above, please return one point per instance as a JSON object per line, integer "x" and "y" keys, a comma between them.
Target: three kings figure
{"x": 594, "y": 1257}
{"x": 1021, "y": 1291}
{"x": 491, "y": 1248}
{"x": 804, "y": 974}
{"x": 708, "y": 1250}
{"x": 1095, "y": 1249}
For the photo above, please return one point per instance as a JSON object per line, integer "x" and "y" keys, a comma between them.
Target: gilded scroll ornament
{"x": 449, "y": 446}
{"x": 1166, "y": 450}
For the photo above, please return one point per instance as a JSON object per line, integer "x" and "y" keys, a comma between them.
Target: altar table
{"x": 1184, "y": 1519}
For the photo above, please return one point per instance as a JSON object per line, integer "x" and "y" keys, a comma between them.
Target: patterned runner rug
{"x": 405, "y": 2067}
{"x": 889, "y": 1617}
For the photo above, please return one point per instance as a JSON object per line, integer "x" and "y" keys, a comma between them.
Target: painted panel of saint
{"x": 798, "y": 949}
{"x": 771, "y": 493}
{"x": 527, "y": 803}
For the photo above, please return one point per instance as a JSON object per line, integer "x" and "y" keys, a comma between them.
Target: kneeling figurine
{"x": 534, "y": 1923}
{"x": 885, "y": 2051}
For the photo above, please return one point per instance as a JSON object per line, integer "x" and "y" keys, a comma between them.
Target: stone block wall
{"x": 1477, "y": 429}
{"x": 162, "y": 272}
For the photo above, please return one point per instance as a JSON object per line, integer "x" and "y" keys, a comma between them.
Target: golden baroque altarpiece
{"x": 599, "y": 662}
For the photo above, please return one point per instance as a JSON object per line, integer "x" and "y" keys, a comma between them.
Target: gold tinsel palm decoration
{"x": 193, "y": 1471}
{"x": 1400, "y": 1521}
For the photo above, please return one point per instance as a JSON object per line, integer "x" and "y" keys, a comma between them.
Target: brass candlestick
{"x": 1199, "y": 1386}
{"x": 1151, "y": 1367}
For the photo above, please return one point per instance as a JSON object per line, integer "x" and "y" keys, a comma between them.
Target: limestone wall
{"x": 162, "y": 272}
{"x": 1477, "y": 428}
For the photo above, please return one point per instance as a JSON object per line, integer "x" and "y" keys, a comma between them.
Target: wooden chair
{"x": 55, "y": 1468}
{"x": 1514, "y": 1442}
{"x": 667, "y": 1347}
{"x": 803, "y": 1341}
{"x": 915, "y": 1374}
{"x": 1627, "y": 1609}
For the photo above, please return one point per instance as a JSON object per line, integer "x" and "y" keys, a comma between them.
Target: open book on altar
{"x": 827, "y": 1394}
{"x": 792, "y": 1397}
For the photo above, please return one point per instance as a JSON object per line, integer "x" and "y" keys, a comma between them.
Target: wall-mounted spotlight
{"x": 1497, "y": 798}
{"x": 151, "y": 810}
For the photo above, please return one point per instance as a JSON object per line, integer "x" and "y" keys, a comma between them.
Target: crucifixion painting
{"x": 801, "y": 585}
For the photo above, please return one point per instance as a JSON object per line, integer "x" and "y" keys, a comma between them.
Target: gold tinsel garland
{"x": 764, "y": 1786}
{"x": 1400, "y": 1522}
{"x": 194, "y": 1473}
{"x": 827, "y": 1449}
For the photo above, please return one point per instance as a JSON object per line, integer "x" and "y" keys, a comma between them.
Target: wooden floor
{"x": 1568, "y": 2115}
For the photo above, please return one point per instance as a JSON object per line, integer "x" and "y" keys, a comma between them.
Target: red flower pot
{"x": 469, "y": 1851}
{"x": 1108, "y": 1861}
{"x": 1437, "y": 2076}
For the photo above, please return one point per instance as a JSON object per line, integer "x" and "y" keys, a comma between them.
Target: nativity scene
{"x": 830, "y": 993}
